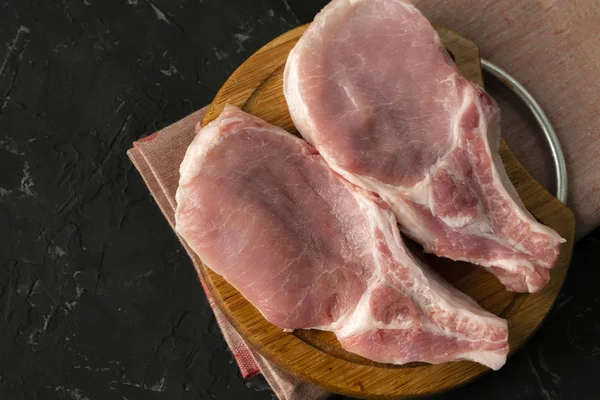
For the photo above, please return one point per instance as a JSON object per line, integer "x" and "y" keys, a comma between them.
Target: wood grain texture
{"x": 256, "y": 87}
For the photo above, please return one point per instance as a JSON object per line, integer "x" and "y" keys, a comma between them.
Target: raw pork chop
{"x": 371, "y": 86}
{"x": 310, "y": 250}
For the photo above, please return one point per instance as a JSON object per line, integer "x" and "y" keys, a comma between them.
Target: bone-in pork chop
{"x": 371, "y": 86}
{"x": 310, "y": 250}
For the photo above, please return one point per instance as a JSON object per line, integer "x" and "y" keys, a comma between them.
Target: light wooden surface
{"x": 256, "y": 87}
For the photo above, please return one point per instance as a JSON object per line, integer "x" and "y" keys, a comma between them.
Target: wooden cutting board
{"x": 256, "y": 87}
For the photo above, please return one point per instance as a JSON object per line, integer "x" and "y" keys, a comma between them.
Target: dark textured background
{"x": 97, "y": 298}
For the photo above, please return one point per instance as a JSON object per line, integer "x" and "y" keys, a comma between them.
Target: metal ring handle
{"x": 560, "y": 165}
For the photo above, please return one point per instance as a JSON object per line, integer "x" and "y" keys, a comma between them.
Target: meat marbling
{"x": 310, "y": 250}
{"x": 371, "y": 86}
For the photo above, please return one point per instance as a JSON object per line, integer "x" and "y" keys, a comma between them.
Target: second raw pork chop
{"x": 371, "y": 86}
{"x": 310, "y": 250}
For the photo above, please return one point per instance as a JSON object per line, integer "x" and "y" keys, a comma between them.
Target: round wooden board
{"x": 316, "y": 356}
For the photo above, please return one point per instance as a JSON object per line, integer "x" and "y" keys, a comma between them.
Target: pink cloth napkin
{"x": 551, "y": 46}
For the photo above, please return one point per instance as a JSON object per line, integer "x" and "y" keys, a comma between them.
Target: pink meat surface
{"x": 310, "y": 250}
{"x": 371, "y": 86}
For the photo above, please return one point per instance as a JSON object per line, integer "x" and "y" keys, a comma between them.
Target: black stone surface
{"x": 97, "y": 298}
